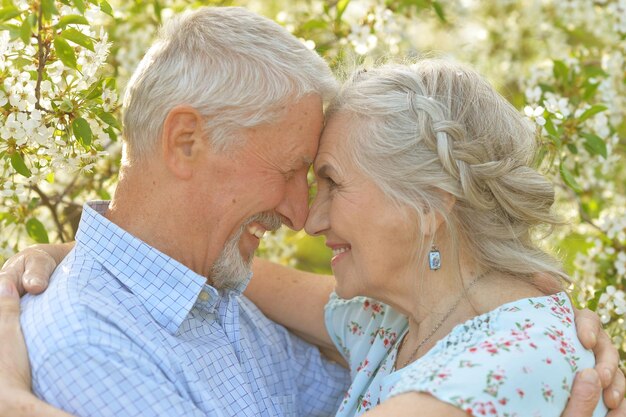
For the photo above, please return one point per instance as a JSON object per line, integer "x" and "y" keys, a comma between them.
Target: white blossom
{"x": 535, "y": 114}
{"x": 109, "y": 99}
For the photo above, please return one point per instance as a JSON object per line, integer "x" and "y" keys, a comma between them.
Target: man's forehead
{"x": 301, "y": 151}
{"x": 302, "y": 161}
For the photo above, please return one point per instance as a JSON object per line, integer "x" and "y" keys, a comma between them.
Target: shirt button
{"x": 204, "y": 296}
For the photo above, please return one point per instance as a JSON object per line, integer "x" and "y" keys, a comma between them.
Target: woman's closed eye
{"x": 329, "y": 183}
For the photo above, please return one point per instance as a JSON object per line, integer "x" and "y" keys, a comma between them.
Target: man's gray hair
{"x": 236, "y": 68}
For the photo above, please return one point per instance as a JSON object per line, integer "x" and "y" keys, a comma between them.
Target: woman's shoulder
{"x": 529, "y": 329}
{"x": 522, "y": 354}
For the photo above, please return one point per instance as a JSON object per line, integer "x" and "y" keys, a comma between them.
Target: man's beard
{"x": 231, "y": 269}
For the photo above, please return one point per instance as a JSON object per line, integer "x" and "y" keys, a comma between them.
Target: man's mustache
{"x": 270, "y": 221}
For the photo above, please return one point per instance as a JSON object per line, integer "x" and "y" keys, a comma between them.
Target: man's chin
{"x": 246, "y": 256}
{"x": 231, "y": 271}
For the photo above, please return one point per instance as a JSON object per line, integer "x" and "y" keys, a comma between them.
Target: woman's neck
{"x": 441, "y": 307}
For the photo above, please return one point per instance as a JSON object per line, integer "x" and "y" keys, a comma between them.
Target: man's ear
{"x": 182, "y": 140}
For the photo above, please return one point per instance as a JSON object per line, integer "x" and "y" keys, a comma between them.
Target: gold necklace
{"x": 438, "y": 325}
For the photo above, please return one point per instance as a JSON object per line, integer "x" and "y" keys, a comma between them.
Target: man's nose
{"x": 294, "y": 208}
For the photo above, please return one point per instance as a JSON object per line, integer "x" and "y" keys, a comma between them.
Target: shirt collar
{"x": 167, "y": 288}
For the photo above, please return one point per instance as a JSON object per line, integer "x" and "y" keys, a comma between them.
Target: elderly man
{"x": 222, "y": 120}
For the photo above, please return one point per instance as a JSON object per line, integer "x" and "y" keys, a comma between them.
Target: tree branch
{"x": 43, "y": 51}
{"x": 47, "y": 203}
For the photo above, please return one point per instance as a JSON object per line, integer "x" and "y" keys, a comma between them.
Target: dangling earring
{"x": 434, "y": 258}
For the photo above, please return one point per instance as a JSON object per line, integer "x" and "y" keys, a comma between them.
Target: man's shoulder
{"x": 81, "y": 302}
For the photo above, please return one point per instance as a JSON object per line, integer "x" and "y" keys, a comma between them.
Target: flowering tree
{"x": 58, "y": 115}
{"x": 64, "y": 63}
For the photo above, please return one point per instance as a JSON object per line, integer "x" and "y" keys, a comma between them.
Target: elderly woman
{"x": 443, "y": 304}
{"x": 429, "y": 202}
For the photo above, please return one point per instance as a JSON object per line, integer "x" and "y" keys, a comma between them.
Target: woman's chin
{"x": 345, "y": 292}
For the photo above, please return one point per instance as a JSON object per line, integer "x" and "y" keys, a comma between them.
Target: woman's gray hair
{"x": 236, "y": 68}
{"x": 436, "y": 125}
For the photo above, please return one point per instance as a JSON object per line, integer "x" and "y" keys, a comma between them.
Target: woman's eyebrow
{"x": 324, "y": 170}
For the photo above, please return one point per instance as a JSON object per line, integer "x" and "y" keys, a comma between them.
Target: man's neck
{"x": 151, "y": 209}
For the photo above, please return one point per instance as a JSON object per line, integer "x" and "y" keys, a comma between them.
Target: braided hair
{"x": 435, "y": 127}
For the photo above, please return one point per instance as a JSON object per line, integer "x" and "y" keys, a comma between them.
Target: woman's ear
{"x": 182, "y": 140}
{"x": 435, "y": 217}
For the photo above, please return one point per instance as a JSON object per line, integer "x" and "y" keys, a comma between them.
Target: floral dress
{"x": 517, "y": 360}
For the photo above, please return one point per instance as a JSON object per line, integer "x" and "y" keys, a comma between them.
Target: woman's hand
{"x": 14, "y": 366}
{"x": 606, "y": 374}
{"x": 30, "y": 269}
{"x": 16, "y": 399}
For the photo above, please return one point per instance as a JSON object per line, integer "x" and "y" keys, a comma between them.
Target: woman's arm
{"x": 416, "y": 404}
{"x": 16, "y": 400}
{"x": 295, "y": 299}
{"x": 25, "y": 404}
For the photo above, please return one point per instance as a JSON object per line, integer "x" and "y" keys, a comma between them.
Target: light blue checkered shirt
{"x": 124, "y": 330}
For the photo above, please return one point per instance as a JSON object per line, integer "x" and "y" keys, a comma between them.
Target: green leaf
{"x": 66, "y": 105}
{"x": 106, "y": 8}
{"x": 95, "y": 92}
{"x": 560, "y": 70}
{"x": 572, "y": 148}
{"x": 439, "y": 10}
{"x": 21, "y": 62}
{"x": 594, "y": 71}
{"x": 110, "y": 83}
{"x": 158, "y": 9}
{"x": 72, "y": 19}
{"x": 568, "y": 178}
{"x": 82, "y": 132}
{"x": 592, "y": 111}
{"x": 109, "y": 119}
{"x": 78, "y": 38}
{"x": 26, "y": 30}
{"x": 19, "y": 165}
{"x": 550, "y": 127}
{"x": 8, "y": 13}
{"x": 314, "y": 24}
{"x": 65, "y": 52}
{"x": 49, "y": 9}
{"x": 589, "y": 90}
{"x": 594, "y": 144}
{"x": 341, "y": 7}
{"x": 8, "y": 218}
{"x": 111, "y": 132}
{"x": 80, "y": 5}
{"x": 37, "y": 231}
{"x": 14, "y": 30}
